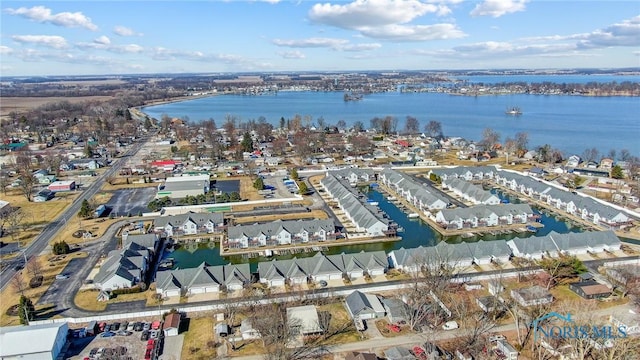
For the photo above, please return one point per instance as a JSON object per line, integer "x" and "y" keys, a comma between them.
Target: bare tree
{"x": 489, "y": 139}
{"x": 590, "y": 154}
{"x": 19, "y": 283}
{"x": 34, "y": 268}
{"x": 14, "y": 220}
{"x": 412, "y": 125}
{"x": 522, "y": 141}
{"x": 433, "y": 128}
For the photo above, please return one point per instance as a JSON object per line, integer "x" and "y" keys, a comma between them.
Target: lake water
{"x": 416, "y": 233}
{"x": 569, "y": 123}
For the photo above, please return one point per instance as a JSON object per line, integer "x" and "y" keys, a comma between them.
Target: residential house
{"x": 397, "y": 310}
{"x": 247, "y": 331}
{"x": 485, "y": 252}
{"x": 535, "y": 247}
{"x": 488, "y": 303}
{"x": 364, "y": 306}
{"x": 507, "y": 350}
{"x": 484, "y": 216}
{"x": 281, "y": 232}
{"x": 189, "y": 224}
{"x": 413, "y": 192}
{"x": 123, "y": 268}
{"x": 534, "y": 295}
{"x": 202, "y": 279}
{"x": 171, "y": 324}
{"x": 590, "y": 289}
{"x": 355, "y": 355}
{"x": 305, "y": 319}
{"x": 470, "y": 192}
{"x": 398, "y": 353}
{"x": 627, "y": 277}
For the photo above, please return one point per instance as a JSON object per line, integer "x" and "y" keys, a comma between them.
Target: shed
{"x": 590, "y": 289}
{"x": 222, "y": 330}
{"x": 171, "y": 326}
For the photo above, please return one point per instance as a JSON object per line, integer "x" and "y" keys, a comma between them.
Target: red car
{"x": 394, "y": 328}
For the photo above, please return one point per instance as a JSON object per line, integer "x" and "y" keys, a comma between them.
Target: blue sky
{"x": 125, "y": 37}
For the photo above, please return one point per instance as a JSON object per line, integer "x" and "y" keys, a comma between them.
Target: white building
{"x": 35, "y": 342}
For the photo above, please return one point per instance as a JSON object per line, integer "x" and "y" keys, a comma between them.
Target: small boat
{"x": 268, "y": 253}
{"x": 515, "y": 111}
{"x": 391, "y": 198}
{"x": 400, "y": 229}
{"x": 413, "y": 215}
{"x": 531, "y": 228}
{"x": 372, "y": 202}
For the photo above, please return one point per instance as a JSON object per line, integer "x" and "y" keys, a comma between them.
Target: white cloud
{"x": 331, "y": 43}
{"x": 497, "y": 8}
{"x": 415, "y": 32}
{"x": 125, "y": 31}
{"x": 52, "y": 41}
{"x": 368, "y": 13}
{"x": 311, "y": 43}
{"x": 102, "y": 40}
{"x": 43, "y": 15}
{"x": 5, "y": 50}
{"x": 291, "y": 54}
{"x": 626, "y": 33}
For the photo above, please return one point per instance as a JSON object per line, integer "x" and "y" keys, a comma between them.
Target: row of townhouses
{"x": 202, "y": 279}
{"x": 322, "y": 267}
{"x": 416, "y": 194}
{"x": 585, "y": 207}
{"x": 127, "y": 267}
{"x": 485, "y": 215}
{"x": 470, "y": 192}
{"x": 368, "y": 219}
{"x": 354, "y": 176}
{"x": 483, "y": 252}
{"x": 281, "y": 232}
{"x": 189, "y": 224}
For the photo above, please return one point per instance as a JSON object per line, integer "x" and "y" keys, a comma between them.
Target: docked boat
{"x": 413, "y": 215}
{"x": 372, "y": 202}
{"x": 531, "y": 228}
{"x": 514, "y": 111}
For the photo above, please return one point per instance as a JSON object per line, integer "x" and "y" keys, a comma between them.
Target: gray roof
{"x": 419, "y": 191}
{"x": 146, "y": 240}
{"x": 533, "y": 245}
{"x": 482, "y": 249}
{"x": 459, "y": 171}
{"x": 126, "y": 263}
{"x": 485, "y": 211}
{"x": 471, "y": 190}
{"x": 200, "y": 219}
{"x": 358, "y": 302}
{"x": 185, "y": 185}
{"x": 398, "y": 353}
{"x": 274, "y": 227}
{"x": 203, "y": 275}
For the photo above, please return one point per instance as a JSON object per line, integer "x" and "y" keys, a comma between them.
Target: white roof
{"x": 307, "y": 316}
{"x": 17, "y": 340}
{"x": 3, "y": 203}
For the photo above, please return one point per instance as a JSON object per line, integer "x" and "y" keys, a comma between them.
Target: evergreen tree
{"x": 294, "y": 174}
{"x": 303, "y": 187}
{"x": 617, "y": 173}
{"x": 86, "y": 210}
{"x": 259, "y": 183}
{"x": 61, "y": 247}
{"x": 247, "y": 143}
{"x": 26, "y": 311}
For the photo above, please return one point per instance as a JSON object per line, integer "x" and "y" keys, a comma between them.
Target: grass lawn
{"x": 247, "y": 191}
{"x": 341, "y": 327}
{"x": 314, "y": 214}
{"x": 50, "y": 265}
{"x": 36, "y": 215}
{"x": 87, "y": 299}
{"x": 197, "y": 339}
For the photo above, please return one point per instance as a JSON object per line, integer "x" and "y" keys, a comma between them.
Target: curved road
{"x": 49, "y": 232}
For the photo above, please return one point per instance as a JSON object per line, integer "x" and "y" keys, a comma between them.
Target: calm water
{"x": 569, "y": 123}
{"x": 559, "y": 79}
{"x": 416, "y": 233}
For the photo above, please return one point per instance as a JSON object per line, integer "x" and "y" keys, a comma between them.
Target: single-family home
{"x": 530, "y": 296}
{"x": 304, "y": 319}
{"x": 590, "y": 289}
{"x": 364, "y": 306}
{"x": 171, "y": 325}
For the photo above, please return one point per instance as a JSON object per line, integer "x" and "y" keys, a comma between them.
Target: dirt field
{"x": 9, "y": 104}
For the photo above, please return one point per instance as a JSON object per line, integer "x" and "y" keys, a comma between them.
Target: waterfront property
{"x": 469, "y": 192}
{"x": 354, "y": 176}
{"x": 414, "y": 193}
{"x": 189, "y": 224}
{"x": 484, "y": 216}
{"x": 322, "y": 267}
{"x": 368, "y": 220}
{"x": 584, "y": 207}
{"x": 123, "y": 268}
{"x": 281, "y": 232}
{"x": 554, "y": 244}
{"x": 202, "y": 279}
{"x": 444, "y": 254}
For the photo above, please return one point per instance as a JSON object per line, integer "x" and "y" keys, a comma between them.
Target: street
{"x": 40, "y": 243}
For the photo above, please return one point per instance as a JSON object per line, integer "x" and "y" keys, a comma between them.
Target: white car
{"x": 494, "y": 338}
{"x": 62, "y": 276}
{"x": 450, "y": 325}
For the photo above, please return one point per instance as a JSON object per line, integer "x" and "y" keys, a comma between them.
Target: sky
{"x": 140, "y": 37}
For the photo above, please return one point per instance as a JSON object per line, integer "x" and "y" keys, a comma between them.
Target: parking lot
{"x": 127, "y": 341}
{"x": 131, "y": 201}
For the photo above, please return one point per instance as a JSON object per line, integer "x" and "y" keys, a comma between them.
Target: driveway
{"x": 131, "y": 201}
{"x": 172, "y": 349}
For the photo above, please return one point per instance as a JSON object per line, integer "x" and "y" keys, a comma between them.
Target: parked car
{"x": 450, "y": 325}
{"x": 153, "y": 334}
{"x": 124, "y": 333}
{"x": 494, "y": 338}
{"x": 137, "y": 326}
{"x": 115, "y": 326}
{"x": 101, "y": 326}
{"x": 108, "y": 334}
{"x": 131, "y": 326}
{"x": 145, "y": 335}
{"x": 124, "y": 325}
{"x": 146, "y": 326}
{"x": 107, "y": 328}
{"x": 62, "y": 276}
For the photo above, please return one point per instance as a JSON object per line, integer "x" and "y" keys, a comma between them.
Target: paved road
{"x": 49, "y": 232}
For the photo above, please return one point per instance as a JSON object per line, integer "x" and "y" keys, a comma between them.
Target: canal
{"x": 416, "y": 233}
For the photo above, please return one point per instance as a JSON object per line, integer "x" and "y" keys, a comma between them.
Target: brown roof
{"x": 360, "y": 356}
{"x": 595, "y": 289}
{"x": 171, "y": 321}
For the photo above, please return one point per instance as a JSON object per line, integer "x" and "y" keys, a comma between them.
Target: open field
{"x": 19, "y": 104}
{"x": 50, "y": 265}
{"x": 36, "y": 215}
{"x": 314, "y": 214}
{"x": 198, "y": 338}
